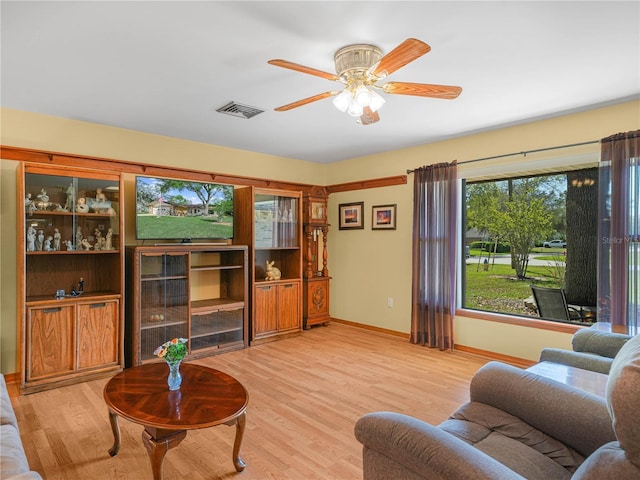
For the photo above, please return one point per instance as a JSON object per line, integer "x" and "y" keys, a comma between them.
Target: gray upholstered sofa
{"x": 13, "y": 462}
{"x": 592, "y": 350}
{"x": 517, "y": 425}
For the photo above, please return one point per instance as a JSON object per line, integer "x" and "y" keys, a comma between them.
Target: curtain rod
{"x": 522, "y": 153}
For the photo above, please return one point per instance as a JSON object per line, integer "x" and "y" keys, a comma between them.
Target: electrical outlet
{"x": 390, "y": 302}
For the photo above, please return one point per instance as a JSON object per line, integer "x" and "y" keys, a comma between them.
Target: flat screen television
{"x": 171, "y": 209}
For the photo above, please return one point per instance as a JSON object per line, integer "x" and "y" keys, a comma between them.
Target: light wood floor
{"x": 305, "y": 394}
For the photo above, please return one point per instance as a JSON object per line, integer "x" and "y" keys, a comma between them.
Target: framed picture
{"x": 383, "y": 217}
{"x": 350, "y": 215}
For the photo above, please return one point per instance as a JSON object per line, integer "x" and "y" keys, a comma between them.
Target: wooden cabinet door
{"x": 265, "y": 320}
{"x": 98, "y": 334}
{"x": 50, "y": 341}
{"x": 288, "y": 306}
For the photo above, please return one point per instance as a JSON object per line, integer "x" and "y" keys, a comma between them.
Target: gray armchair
{"x": 517, "y": 425}
{"x": 592, "y": 350}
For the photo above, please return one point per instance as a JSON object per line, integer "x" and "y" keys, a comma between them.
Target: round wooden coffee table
{"x": 206, "y": 398}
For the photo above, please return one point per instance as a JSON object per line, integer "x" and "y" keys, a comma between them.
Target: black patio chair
{"x": 552, "y": 304}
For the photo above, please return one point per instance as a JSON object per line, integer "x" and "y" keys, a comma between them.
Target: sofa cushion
{"x": 12, "y": 460}
{"x": 7, "y": 415}
{"x": 622, "y": 398}
{"x": 512, "y": 442}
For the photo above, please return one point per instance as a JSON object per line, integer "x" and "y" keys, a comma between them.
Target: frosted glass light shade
{"x": 342, "y": 100}
{"x": 354, "y": 109}
{"x": 362, "y": 96}
{"x": 376, "y": 101}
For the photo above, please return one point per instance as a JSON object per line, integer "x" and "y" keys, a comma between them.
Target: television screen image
{"x": 170, "y": 209}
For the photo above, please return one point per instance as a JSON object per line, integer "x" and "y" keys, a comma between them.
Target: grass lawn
{"x": 499, "y": 290}
{"x": 168, "y": 227}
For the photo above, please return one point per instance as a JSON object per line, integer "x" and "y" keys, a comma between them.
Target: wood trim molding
{"x": 521, "y": 321}
{"x": 371, "y": 328}
{"x": 364, "y": 184}
{"x": 81, "y": 161}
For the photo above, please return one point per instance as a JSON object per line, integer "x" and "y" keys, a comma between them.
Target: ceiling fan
{"x": 359, "y": 67}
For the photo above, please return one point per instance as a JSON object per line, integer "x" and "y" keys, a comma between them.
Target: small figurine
{"x": 81, "y": 206}
{"x": 86, "y": 244}
{"x": 56, "y": 239}
{"x": 43, "y": 204}
{"x": 47, "y": 243}
{"x": 31, "y": 239}
{"x": 69, "y": 245}
{"x": 81, "y": 285}
{"x": 70, "y": 198}
{"x": 273, "y": 273}
{"x": 40, "y": 240}
{"x": 29, "y": 205}
{"x": 108, "y": 245}
{"x": 79, "y": 237}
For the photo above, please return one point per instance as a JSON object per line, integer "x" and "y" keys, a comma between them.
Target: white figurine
{"x": 86, "y": 244}
{"x": 81, "y": 206}
{"x": 43, "y": 204}
{"x": 272, "y": 273}
{"x": 29, "y": 205}
{"x": 69, "y": 245}
{"x": 31, "y": 239}
{"x": 70, "y": 198}
{"x": 47, "y": 243}
{"x": 78, "y": 237}
{"x": 109, "y": 240}
{"x": 40, "y": 240}
{"x": 56, "y": 239}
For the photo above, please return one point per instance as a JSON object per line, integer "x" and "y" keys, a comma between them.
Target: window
{"x": 531, "y": 230}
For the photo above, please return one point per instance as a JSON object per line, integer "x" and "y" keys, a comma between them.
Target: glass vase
{"x": 175, "y": 379}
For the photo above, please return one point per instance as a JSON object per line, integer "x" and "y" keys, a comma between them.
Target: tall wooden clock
{"x": 316, "y": 274}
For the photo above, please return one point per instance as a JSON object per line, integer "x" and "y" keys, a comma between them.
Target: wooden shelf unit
{"x": 270, "y": 223}
{"x": 75, "y": 335}
{"x": 197, "y": 292}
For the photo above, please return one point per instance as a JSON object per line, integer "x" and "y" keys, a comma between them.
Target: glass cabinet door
{"x": 276, "y": 221}
{"x": 164, "y": 300}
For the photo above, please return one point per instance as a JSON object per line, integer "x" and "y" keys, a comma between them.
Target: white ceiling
{"x": 165, "y": 67}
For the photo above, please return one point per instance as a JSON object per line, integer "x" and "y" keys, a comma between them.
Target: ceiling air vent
{"x": 239, "y": 110}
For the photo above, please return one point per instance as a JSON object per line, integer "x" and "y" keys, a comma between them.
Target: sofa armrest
{"x": 586, "y": 361}
{"x": 576, "y": 418}
{"x": 606, "y": 344}
{"x": 426, "y": 451}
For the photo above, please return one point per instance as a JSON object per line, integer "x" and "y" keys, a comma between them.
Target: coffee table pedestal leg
{"x": 240, "y": 422}
{"x": 113, "y": 420}
{"x": 157, "y": 442}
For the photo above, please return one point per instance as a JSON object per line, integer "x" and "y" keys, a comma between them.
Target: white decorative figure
{"x": 69, "y": 245}
{"x": 47, "y": 244}
{"x": 56, "y": 239}
{"x": 272, "y": 273}
{"x": 86, "y": 244}
{"x": 109, "y": 240}
{"x": 40, "y": 240}
{"x": 29, "y": 205}
{"x": 81, "y": 206}
{"x": 78, "y": 237}
{"x": 31, "y": 239}
{"x": 70, "y": 198}
{"x": 44, "y": 200}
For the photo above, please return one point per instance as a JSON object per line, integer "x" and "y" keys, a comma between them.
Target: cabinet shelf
{"x": 162, "y": 278}
{"x": 215, "y": 267}
{"x": 164, "y": 324}
{"x": 200, "y": 307}
{"x": 74, "y": 252}
{"x": 38, "y": 213}
{"x": 85, "y": 297}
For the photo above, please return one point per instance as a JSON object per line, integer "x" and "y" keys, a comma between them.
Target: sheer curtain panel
{"x": 619, "y": 230}
{"x": 434, "y": 255}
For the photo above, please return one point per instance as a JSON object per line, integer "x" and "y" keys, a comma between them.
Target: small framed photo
{"x": 350, "y": 215}
{"x": 383, "y": 217}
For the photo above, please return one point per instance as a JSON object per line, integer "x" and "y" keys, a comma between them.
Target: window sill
{"x": 520, "y": 321}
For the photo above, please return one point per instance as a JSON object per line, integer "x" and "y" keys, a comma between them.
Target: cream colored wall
{"x": 42, "y": 132}
{"x": 369, "y": 266}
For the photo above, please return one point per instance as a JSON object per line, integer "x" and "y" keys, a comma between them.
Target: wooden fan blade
{"x": 404, "y": 53}
{"x": 422, "y": 90}
{"x": 369, "y": 116}
{"x": 303, "y": 69}
{"x": 304, "y": 101}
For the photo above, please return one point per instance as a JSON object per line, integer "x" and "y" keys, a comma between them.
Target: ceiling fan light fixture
{"x": 355, "y": 110}
{"x": 342, "y": 100}
{"x": 376, "y": 101}
{"x": 362, "y": 96}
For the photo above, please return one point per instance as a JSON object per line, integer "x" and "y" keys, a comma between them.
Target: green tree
{"x": 523, "y": 219}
